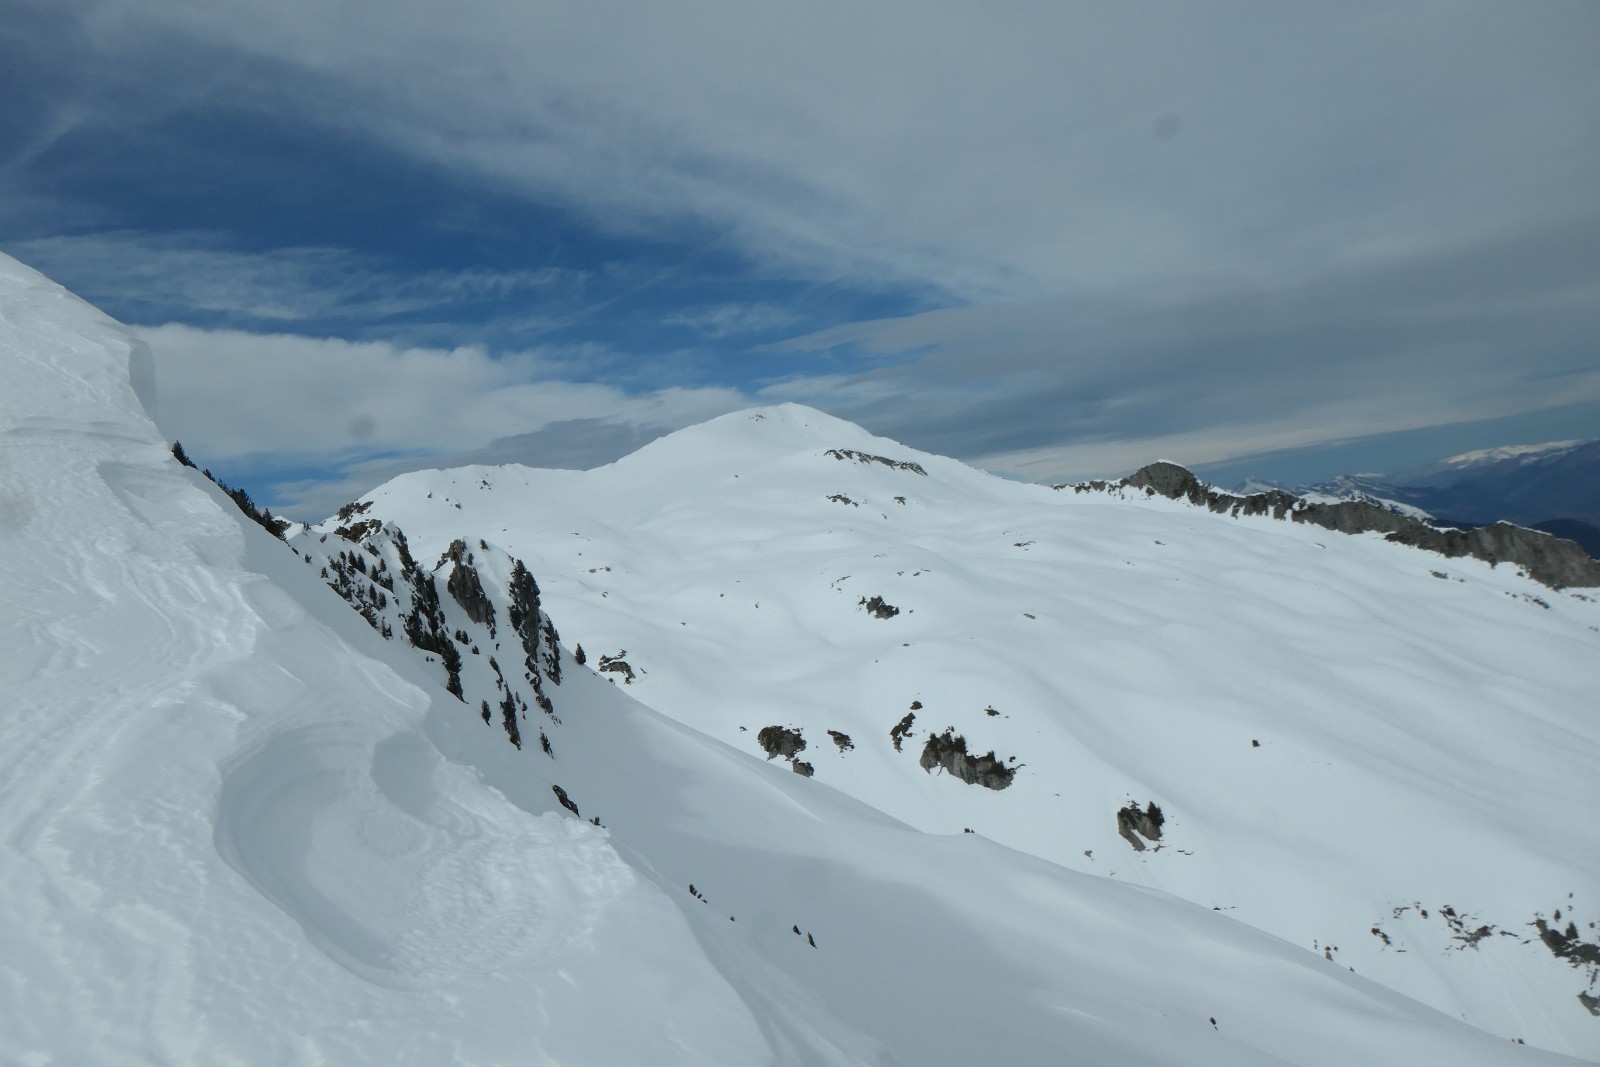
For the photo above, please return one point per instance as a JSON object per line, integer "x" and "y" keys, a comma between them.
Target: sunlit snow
{"x": 238, "y": 826}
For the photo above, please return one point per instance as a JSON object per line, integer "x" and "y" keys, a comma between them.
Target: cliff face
{"x": 1550, "y": 560}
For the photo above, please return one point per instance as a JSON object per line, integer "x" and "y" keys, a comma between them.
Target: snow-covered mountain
{"x": 1360, "y": 488}
{"x": 241, "y": 822}
{"x": 1554, "y": 486}
{"x": 1521, "y": 454}
{"x": 1344, "y": 736}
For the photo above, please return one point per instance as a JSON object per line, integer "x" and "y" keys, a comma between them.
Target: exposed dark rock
{"x": 1462, "y": 928}
{"x": 1547, "y": 559}
{"x": 508, "y": 718}
{"x": 540, "y": 643}
{"x": 1566, "y": 945}
{"x": 1146, "y": 824}
{"x": 801, "y": 767}
{"x": 566, "y": 801}
{"x": 424, "y": 626}
{"x": 617, "y": 665}
{"x": 840, "y": 498}
{"x": 903, "y": 728}
{"x": 842, "y": 740}
{"x": 551, "y": 652}
{"x": 867, "y": 457}
{"x": 359, "y": 532}
{"x": 949, "y": 750}
{"x": 354, "y": 508}
{"x": 878, "y": 608}
{"x": 779, "y": 741}
{"x": 465, "y": 585}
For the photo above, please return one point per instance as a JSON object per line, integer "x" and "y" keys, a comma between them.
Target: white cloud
{"x": 277, "y": 401}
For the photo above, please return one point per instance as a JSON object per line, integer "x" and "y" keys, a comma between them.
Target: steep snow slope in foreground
{"x": 236, "y": 827}
{"x": 1374, "y": 753}
{"x": 224, "y": 834}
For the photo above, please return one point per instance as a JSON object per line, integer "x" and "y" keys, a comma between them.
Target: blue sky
{"x": 1055, "y": 240}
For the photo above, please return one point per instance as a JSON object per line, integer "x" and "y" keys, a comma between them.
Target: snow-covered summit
{"x": 1282, "y": 691}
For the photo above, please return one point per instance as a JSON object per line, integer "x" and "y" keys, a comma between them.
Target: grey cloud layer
{"x": 1014, "y": 151}
{"x": 1084, "y": 387}
{"x": 1199, "y": 230}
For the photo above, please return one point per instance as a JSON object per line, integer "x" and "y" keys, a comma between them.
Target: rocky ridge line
{"x": 1546, "y": 559}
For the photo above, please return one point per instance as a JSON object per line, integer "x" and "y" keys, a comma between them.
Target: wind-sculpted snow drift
{"x": 237, "y": 825}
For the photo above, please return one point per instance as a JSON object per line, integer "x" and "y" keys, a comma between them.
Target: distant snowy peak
{"x": 1554, "y": 485}
{"x": 1524, "y": 453}
{"x": 762, "y": 436}
{"x": 1358, "y": 488}
{"x": 782, "y": 449}
{"x": 1362, "y": 488}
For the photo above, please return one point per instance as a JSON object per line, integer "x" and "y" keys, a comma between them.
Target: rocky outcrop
{"x": 877, "y": 607}
{"x": 617, "y": 665}
{"x": 466, "y": 587}
{"x": 1546, "y": 559}
{"x": 1567, "y": 945}
{"x": 424, "y": 627}
{"x": 868, "y": 457}
{"x": 540, "y": 645}
{"x": 1133, "y": 824}
{"x": 949, "y": 750}
{"x": 902, "y": 729}
{"x": 566, "y": 801}
{"x": 779, "y": 741}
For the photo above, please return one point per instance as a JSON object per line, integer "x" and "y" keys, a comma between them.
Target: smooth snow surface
{"x": 1344, "y": 734}
{"x": 238, "y": 827}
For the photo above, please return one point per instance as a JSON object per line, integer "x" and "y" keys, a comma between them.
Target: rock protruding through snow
{"x": 949, "y": 751}
{"x": 1547, "y": 559}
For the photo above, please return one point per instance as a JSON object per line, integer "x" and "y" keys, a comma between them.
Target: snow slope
{"x": 1358, "y": 747}
{"x": 224, "y": 834}
{"x": 238, "y": 826}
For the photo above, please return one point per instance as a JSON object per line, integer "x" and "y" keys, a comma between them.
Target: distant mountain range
{"x": 1553, "y": 487}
